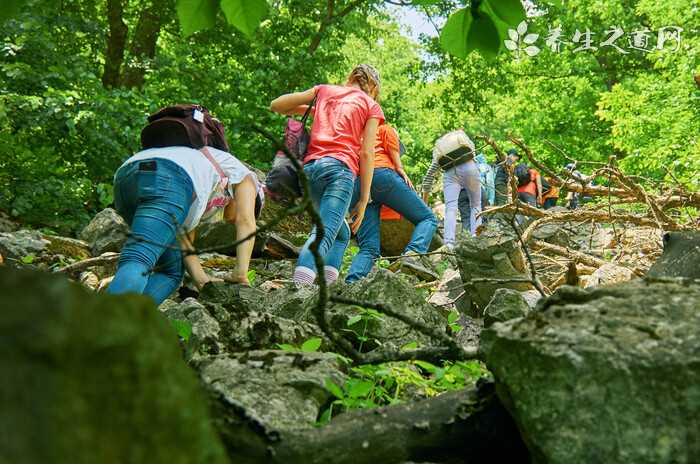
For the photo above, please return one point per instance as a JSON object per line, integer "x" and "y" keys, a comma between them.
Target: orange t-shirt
{"x": 387, "y": 141}
{"x": 530, "y": 187}
{"x": 339, "y": 122}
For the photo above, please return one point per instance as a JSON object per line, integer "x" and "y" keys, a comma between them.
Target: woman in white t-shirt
{"x": 164, "y": 193}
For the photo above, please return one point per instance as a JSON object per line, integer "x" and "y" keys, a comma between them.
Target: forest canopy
{"x": 576, "y": 80}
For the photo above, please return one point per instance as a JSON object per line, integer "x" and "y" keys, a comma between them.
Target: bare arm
{"x": 290, "y": 103}
{"x": 192, "y": 263}
{"x": 395, "y": 156}
{"x": 245, "y": 225}
{"x": 369, "y": 138}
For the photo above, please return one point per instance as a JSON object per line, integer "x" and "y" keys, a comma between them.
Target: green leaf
{"x": 483, "y": 36}
{"x": 425, "y": 366}
{"x": 183, "y": 328}
{"x": 287, "y": 347}
{"x": 354, "y": 320}
{"x": 29, "y": 259}
{"x": 359, "y": 388}
{"x": 410, "y": 346}
{"x": 452, "y": 317}
{"x": 245, "y": 15}
{"x": 311, "y": 345}
{"x": 251, "y": 276}
{"x": 453, "y": 37}
{"x": 509, "y": 11}
{"x": 196, "y": 15}
{"x": 10, "y": 9}
{"x": 334, "y": 389}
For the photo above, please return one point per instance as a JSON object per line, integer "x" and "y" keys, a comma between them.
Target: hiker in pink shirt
{"x": 341, "y": 148}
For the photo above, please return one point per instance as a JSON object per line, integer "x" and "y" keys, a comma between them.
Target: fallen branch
{"x": 106, "y": 258}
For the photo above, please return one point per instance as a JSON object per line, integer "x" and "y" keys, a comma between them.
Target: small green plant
{"x": 309, "y": 346}
{"x": 452, "y": 319}
{"x": 251, "y": 276}
{"x": 372, "y": 386}
{"x": 366, "y": 315}
{"x": 183, "y": 328}
{"x": 28, "y": 259}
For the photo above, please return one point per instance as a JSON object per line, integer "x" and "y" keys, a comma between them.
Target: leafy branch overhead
{"x": 482, "y": 26}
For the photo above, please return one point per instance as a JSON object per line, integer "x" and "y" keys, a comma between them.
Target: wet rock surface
{"x": 604, "y": 375}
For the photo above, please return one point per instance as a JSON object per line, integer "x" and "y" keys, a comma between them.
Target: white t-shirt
{"x": 203, "y": 174}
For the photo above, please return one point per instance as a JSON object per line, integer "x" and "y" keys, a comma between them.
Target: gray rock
{"x": 607, "y": 274}
{"x": 7, "y": 224}
{"x": 17, "y": 245}
{"x": 532, "y": 297}
{"x": 450, "y": 293}
{"x": 610, "y": 374}
{"x": 282, "y": 390}
{"x": 95, "y": 378}
{"x": 681, "y": 256}
{"x": 505, "y": 305}
{"x": 495, "y": 254}
{"x": 106, "y": 232}
{"x": 397, "y": 292}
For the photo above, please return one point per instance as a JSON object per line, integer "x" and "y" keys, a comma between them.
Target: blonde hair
{"x": 367, "y": 77}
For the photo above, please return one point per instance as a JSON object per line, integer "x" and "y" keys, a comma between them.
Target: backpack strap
{"x": 223, "y": 181}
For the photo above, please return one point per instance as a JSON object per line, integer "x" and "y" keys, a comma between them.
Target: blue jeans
{"x": 389, "y": 188}
{"x": 154, "y": 197}
{"x": 331, "y": 191}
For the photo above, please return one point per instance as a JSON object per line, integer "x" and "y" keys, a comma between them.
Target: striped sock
{"x": 304, "y": 275}
{"x": 331, "y": 274}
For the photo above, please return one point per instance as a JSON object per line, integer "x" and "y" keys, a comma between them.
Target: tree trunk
{"x": 116, "y": 43}
{"x": 142, "y": 48}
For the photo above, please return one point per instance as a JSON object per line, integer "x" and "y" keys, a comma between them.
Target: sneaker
{"x": 411, "y": 264}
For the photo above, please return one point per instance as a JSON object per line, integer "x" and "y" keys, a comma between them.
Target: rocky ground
{"x": 604, "y": 369}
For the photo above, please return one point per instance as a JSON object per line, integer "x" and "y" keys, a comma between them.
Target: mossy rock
{"x": 95, "y": 378}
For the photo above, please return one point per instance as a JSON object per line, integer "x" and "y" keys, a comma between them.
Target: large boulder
{"x": 610, "y": 374}
{"x": 397, "y": 292}
{"x": 106, "y": 232}
{"x": 395, "y": 235}
{"x": 94, "y": 378}
{"x": 279, "y": 389}
{"x": 495, "y": 255}
{"x": 681, "y": 256}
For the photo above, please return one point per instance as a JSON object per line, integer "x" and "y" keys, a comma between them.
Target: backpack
{"x": 522, "y": 174}
{"x": 183, "y": 125}
{"x": 282, "y": 182}
{"x": 453, "y": 149}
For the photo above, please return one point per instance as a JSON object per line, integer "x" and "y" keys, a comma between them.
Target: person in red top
{"x": 391, "y": 187}
{"x": 531, "y": 192}
{"x": 341, "y": 148}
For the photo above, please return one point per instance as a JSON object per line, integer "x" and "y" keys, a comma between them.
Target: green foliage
{"x": 309, "y": 346}
{"x": 246, "y": 15}
{"x": 359, "y": 323}
{"x": 371, "y": 386}
{"x": 251, "y": 275}
{"x": 481, "y": 26}
{"x": 183, "y": 329}
{"x": 196, "y": 15}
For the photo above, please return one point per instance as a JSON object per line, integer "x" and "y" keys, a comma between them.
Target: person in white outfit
{"x": 454, "y": 155}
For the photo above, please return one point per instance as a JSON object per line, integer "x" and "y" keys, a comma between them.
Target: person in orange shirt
{"x": 531, "y": 192}
{"x": 391, "y": 187}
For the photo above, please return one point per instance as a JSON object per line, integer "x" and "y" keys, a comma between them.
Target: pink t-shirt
{"x": 339, "y": 122}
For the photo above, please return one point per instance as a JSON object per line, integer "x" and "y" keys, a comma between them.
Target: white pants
{"x": 465, "y": 176}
